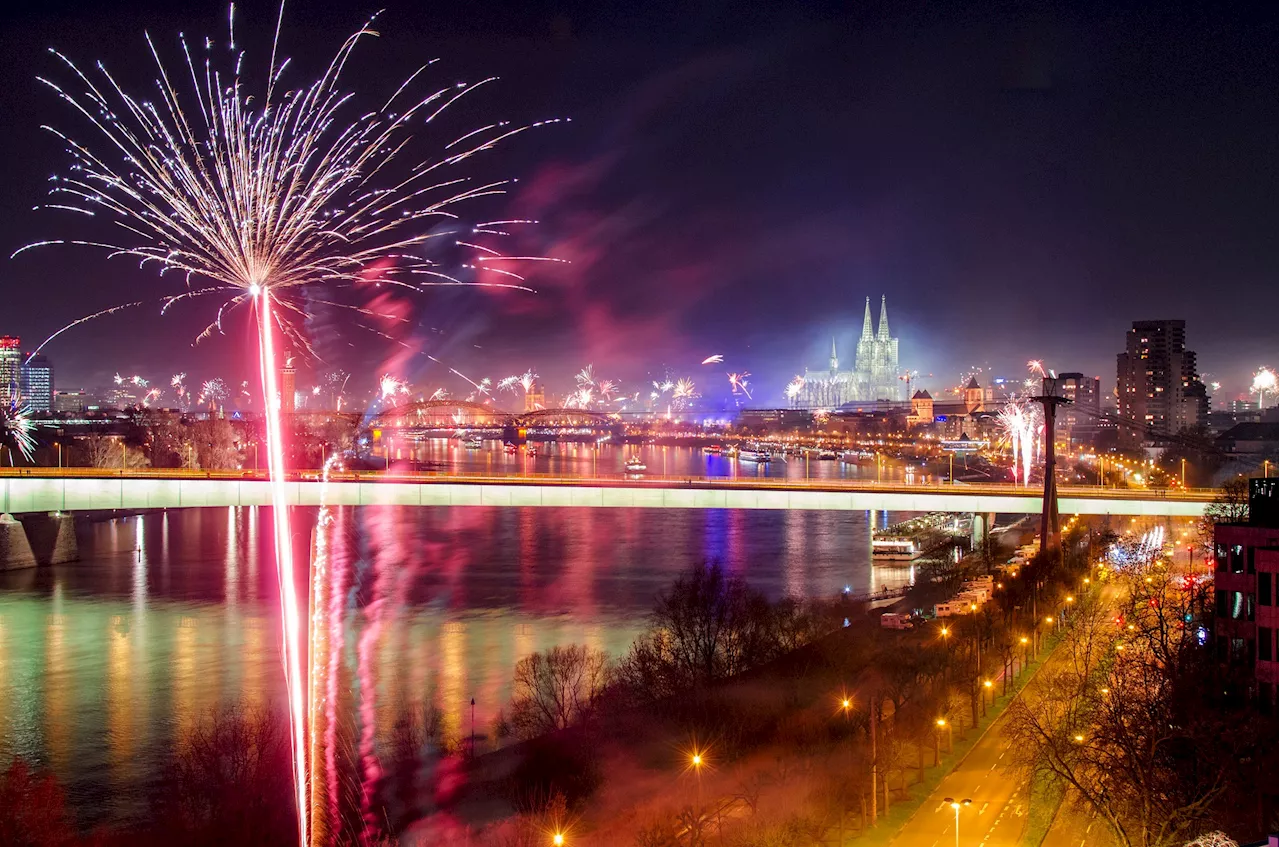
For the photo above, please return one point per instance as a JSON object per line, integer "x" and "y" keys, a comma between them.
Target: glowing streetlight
{"x": 955, "y": 806}
{"x": 942, "y": 724}
{"x": 1079, "y": 738}
{"x": 558, "y": 839}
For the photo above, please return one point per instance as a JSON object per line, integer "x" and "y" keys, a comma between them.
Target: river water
{"x": 105, "y": 662}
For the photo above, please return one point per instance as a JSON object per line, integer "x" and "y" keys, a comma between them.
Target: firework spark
{"x": 213, "y": 392}
{"x": 794, "y": 387}
{"x": 16, "y": 429}
{"x": 717, "y": 359}
{"x": 1022, "y": 428}
{"x": 1264, "y": 383}
{"x": 739, "y": 384}
{"x": 390, "y": 388}
{"x": 1035, "y": 367}
{"x": 684, "y": 393}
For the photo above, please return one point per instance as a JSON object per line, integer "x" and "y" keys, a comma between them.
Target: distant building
{"x": 974, "y": 397}
{"x": 10, "y": 367}
{"x": 535, "y": 398}
{"x": 776, "y": 420}
{"x": 36, "y": 382}
{"x": 874, "y": 375}
{"x": 1245, "y": 582}
{"x": 1249, "y": 439}
{"x": 288, "y": 387}
{"x": 71, "y": 402}
{"x": 1078, "y": 420}
{"x": 921, "y": 409}
{"x": 1157, "y": 385}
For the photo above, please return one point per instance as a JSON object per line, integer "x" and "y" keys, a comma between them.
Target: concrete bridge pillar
{"x": 15, "y": 550}
{"x": 981, "y": 527}
{"x": 52, "y": 537}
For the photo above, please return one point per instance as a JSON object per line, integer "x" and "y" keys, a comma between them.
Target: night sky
{"x": 1021, "y": 180}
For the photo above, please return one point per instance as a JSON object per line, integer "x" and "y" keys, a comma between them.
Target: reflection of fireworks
{"x": 738, "y": 382}
{"x": 1264, "y": 383}
{"x": 713, "y": 360}
{"x": 16, "y": 428}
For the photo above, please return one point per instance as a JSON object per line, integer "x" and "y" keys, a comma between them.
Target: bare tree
{"x": 103, "y": 451}
{"x": 32, "y": 808}
{"x": 557, "y": 689}
{"x": 1230, "y": 506}
{"x": 1148, "y": 729}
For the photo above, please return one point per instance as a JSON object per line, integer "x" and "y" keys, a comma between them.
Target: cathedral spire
{"x": 835, "y": 361}
{"x": 866, "y": 322}
{"x": 883, "y": 333}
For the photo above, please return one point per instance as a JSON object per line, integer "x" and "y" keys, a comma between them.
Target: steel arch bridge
{"x": 562, "y": 418}
{"x": 440, "y": 414}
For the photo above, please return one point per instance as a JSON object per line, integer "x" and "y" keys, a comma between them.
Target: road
{"x": 998, "y": 813}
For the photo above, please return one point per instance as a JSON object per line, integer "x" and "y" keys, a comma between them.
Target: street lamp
{"x": 558, "y": 839}
{"x": 955, "y": 806}
{"x": 986, "y": 683}
{"x": 942, "y": 724}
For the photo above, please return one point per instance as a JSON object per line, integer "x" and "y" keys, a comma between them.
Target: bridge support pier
{"x": 15, "y": 550}
{"x": 51, "y": 537}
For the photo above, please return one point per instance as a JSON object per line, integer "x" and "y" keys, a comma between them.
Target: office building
{"x": 10, "y": 366}
{"x": 36, "y": 382}
{"x": 1245, "y": 583}
{"x": 1158, "y": 389}
{"x": 1078, "y": 420}
{"x": 72, "y": 402}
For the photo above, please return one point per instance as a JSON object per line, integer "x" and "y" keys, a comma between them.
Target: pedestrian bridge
{"x": 25, "y": 490}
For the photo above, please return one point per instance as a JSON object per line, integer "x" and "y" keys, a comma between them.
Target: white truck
{"x": 892, "y": 620}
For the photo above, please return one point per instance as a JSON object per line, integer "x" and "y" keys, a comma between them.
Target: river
{"x": 105, "y": 662}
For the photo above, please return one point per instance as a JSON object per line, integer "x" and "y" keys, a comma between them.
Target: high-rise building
{"x": 1157, "y": 385}
{"x": 1078, "y": 420}
{"x": 36, "y": 381}
{"x": 10, "y": 367}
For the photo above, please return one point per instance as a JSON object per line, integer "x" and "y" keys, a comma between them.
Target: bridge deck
{"x": 52, "y": 489}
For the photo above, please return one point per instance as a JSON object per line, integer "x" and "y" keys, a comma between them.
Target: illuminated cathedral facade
{"x": 874, "y": 375}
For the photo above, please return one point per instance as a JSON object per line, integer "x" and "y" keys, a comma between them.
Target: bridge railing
{"x": 645, "y": 480}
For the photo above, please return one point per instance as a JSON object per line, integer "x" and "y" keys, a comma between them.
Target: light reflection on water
{"x": 105, "y": 663}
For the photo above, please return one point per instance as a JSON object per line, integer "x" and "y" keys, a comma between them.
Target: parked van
{"x": 891, "y": 620}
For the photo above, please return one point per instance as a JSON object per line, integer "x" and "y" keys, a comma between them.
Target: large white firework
{"x": 1021, "y": 425}
{"x": 263, "y": 192}
{"x": 1264, "y": 383}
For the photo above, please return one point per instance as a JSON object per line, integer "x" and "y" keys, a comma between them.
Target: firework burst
{"x": 739, "y": 385}
{"x": 1264, "y": 383}
{"x": 257, "y": 194}
{"x": 17, "y": 432}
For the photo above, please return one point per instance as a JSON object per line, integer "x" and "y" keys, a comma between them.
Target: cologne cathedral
{"x": 874, "y": 375}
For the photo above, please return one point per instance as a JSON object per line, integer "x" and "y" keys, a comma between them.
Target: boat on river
{"x": 754, "y": 453}
{"x": 634, "y": 465}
